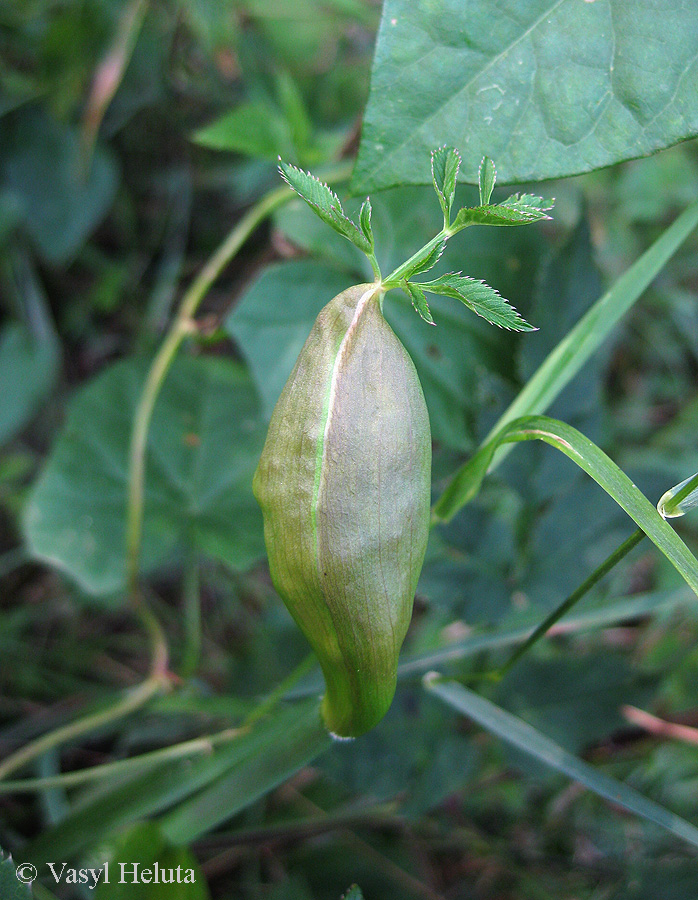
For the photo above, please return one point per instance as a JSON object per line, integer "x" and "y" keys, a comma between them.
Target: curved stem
{"x": 133, "y": 700}
{"x": 181, "y": 326}
{"x": 81, "y": 776}
{"x": 612, "y": 560}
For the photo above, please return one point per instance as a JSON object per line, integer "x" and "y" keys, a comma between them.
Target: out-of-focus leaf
{"x": 411, "y": 757}
{"x": 255, "y": 128}
{"x": 596, "y": 464}
{"x": 569, "y": 355}
{"x": 205, "y": 441}
{"x": 545, "y": 90}
{"x": 526, "y": 738}
{"x": 136, "y": 853}
{"x": 40, "y": 171}
{"x": 253, "y": 763}
{"x": 28, "y": 369}
{"x": 292, "y": 742}
{"x": 274, "y": 317}
{"x": 11, "y": 888}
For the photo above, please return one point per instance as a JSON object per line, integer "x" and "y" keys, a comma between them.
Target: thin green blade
{"x": 526, "y": 738}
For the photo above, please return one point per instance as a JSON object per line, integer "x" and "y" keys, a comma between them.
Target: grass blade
{"x": 563, "y": 363}
{"x": 105, "y": 809}
{"x": 526, "y": 738}
{"x": 595, "y": 463}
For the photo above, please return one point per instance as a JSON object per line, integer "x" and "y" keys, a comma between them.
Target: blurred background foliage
{"x": 132, "y": 138}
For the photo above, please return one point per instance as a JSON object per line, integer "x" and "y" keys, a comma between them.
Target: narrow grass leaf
{"x": 103, "y": 809}
{"x": 568, "y": 357}
{"x": 302, "y": 740}
{"x": 527, "y": 739}
{"x": 595, "y": 463}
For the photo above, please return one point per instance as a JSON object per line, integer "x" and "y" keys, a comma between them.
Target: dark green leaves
{"x": 522, "y": 736}
{"x": 327, "y": 205}
{"x": 11, "y": 888}
{"x": 480, "y": 298}
{"x": 205, "y": 440}
{"x": 143, "y": 845}
{"x": 546, "y": 89}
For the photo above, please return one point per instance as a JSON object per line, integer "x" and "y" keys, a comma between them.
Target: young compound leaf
{"x": 419, "y": 301}
{"x": 481, "y": 298}
{"x": 516, "y": 210}
{"x": 325, "y": 203}
{"x": 445, "y": 163}
{"x": 487, "y": 176}
{"x": 365, "y": 221}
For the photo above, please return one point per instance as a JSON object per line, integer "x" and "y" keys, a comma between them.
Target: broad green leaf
{"x": 133, "y": 858}
{"x": 487, "y": 178}
{"x": 255, "y": 763}
{"x": 11, "y": 888}
{"x": 257, "y": 129}
{"x": 480, "y": 298}
{"x": 545, "y": 88}
{"x": 325, "y": 203}
{"x": 419, "y": 301}
{"x": 40, "y": 172}
{"x": 445, "y": 163}
{"x": 521, "y": 735}
{"x": 205, "y": 441}
{"x": 595, "y": 463}
{"x": 28, "y": 369}
{"x": 568, "y": 357}
{"x": 272, "y": 320}
{"x": 412, "y": 758}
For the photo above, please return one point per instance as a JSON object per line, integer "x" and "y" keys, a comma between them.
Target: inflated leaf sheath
{"x": 344, "y": 486}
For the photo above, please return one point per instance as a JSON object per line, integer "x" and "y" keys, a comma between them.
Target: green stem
{"x": 187, "y": 748}
{"x": 181, "y": 326}
{"x": 193, "y": 747}
{"x": 393, "y": 280}
{"x": 132, "y": 701}
{"x": 192, "y": 618}
{"x": 618, "y": 554}
{"x": 281, "y": 690}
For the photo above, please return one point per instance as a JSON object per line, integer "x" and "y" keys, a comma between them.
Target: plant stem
{"x": 393, "y": 280}
{"x": 181, "y": 326}
{"x": 618, "y": 554}
{"x": 135, "y": 699}
{"x": 280, "y": 690}
{"x": 132, "y": 701}
{"x": 166, "y": 754}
